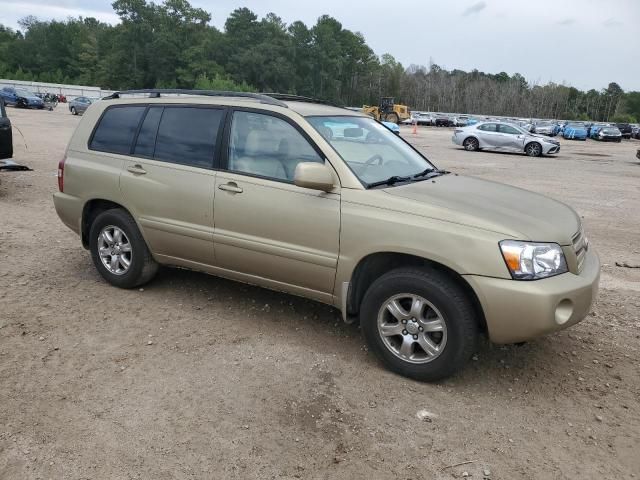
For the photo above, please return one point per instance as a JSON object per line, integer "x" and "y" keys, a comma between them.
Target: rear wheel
{"x": 471, "y": 144}
{"x": 73, "y": 111}
{"x": 419, "y": 323}
{"x": 118, "y": 250}
{"x": 533, "y": 149}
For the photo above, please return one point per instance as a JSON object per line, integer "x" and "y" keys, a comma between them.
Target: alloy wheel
{"x": 115, "y": 250}
{"x": 534, "y": 150}
{"x": 412, "y": 328}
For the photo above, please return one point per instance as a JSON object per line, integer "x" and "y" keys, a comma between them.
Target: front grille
{"x": 580, "y": 246}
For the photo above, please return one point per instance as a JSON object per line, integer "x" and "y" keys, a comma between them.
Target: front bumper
{"x": 517, "y": 311}
{"x": 550, "y": 149}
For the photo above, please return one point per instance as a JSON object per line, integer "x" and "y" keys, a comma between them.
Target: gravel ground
{"x": 199, "y": 377}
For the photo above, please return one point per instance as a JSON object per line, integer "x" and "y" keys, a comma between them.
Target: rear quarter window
{"x": 116, "y": 129}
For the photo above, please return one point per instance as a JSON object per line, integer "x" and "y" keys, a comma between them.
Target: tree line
{"x": 173, "y": 45}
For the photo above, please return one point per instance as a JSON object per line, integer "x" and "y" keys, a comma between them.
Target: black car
{"x": 609, "y": 134}
{"x": 6, "y": 136}
{"x": 443, "y": 121}
{"x": 625, "y": 129}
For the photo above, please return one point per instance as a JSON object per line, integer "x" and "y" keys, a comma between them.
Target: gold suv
{"x": 326, "y": 203}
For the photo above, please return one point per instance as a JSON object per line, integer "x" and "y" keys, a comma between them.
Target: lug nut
{"x": 421, "y": 329}
{"x": 415, "y": 337}
{"x": 404, "y": 332}
{"x": 403, "y": 322}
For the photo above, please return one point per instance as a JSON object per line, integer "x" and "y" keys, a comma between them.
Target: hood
{"x": 545, "y": 138}
{"x": 493, "y": 206}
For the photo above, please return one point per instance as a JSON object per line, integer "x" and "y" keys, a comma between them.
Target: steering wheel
{"x": 377, "y": 157}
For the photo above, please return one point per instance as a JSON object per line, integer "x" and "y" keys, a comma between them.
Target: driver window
{"x": 267, "y": 146}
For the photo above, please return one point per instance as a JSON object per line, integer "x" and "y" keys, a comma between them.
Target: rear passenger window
{"x": 147, "y": 136}
{"x": 187, "y": 135}
{"x": 116, "y": 129}
{"x": 488, "y": 127}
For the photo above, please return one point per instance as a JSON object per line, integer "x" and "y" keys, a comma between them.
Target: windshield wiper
{"x": 389, "y": 181}
{"x": 430, "y": 173}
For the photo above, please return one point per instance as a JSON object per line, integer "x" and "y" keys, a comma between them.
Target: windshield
{"x": 24, "y": 93}
{"x": 576, "y": 125}
{"x": 372, "y": 151}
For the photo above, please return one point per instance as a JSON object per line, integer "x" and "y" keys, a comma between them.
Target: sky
{"x": 583, "y": 43}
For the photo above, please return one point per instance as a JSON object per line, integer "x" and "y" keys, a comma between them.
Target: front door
{"x": 512, "y": 139}
{"x": 168, "y": 182}
{"x": 265, "y": 226}
{"x": 6, "y": 136}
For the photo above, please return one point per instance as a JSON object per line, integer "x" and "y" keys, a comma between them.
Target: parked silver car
{"x": 504, "y": 137}
{"x": 80, "y": 104}
{"x": 544, "y": 128}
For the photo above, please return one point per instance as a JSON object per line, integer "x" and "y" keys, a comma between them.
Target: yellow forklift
{"x": 388, "y": 111}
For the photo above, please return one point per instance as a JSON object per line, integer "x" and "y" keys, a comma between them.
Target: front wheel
{"x": 419, "y": 323}
{"x": 533, "y": 149}
{"x": 73, "y": 111}
{"x": 119, "y": 251}
{"x": 471, "y": 144}
{"x": 392, "y": 117}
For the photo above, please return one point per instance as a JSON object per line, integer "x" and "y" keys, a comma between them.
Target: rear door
{"x": 6, "y": 136}
{"x": 488, "y": 136}
{"x": 168, "y": 180}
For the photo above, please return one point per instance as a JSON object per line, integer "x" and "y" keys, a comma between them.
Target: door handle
{"x": 230, "y": 187}
{"x": 137, "y": 170}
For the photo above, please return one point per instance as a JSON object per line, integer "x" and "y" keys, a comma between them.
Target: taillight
{"x": 61, "y": 174}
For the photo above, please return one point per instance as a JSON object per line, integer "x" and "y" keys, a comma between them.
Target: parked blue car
{"x": 19, "y": 97}
{"x": 595, "y": 128}
{"x": 393, "y": 127}
{"x": 575, "y": 131}
{"x": 558, "y": 128}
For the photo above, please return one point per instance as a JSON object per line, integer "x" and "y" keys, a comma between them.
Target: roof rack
{"x": 157, "y": 92}
{"x": 288, "y": 97}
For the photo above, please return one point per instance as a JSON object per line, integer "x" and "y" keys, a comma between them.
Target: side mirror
{"x": 316, "y": 176}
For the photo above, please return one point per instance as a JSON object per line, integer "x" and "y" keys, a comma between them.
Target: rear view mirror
{"x": 353, "y": 132}
{"x": 316, "y": 176}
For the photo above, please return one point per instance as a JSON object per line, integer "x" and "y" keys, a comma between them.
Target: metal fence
{"x": 69, "y": 91}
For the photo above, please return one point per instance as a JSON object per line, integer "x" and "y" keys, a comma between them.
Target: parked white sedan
{"x": 504, "y": 137}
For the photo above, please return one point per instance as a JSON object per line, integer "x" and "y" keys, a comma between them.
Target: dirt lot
{"x": 198, "y": 377}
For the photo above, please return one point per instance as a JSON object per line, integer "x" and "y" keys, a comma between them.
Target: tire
{"x": 471, "y": 144}
{"x": 73, "y": 111}
{"x": 142, "y": 267}
{"x": 533, "y": 149}
{"x": 21, "y": 103}
{"x": 392, "y": 117}
{"x": 444, "y": 298}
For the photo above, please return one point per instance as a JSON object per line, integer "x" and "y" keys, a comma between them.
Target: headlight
{"x": 532, "y": 261}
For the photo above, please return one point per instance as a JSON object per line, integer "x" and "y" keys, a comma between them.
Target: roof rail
{"x": 157, "y": 92}
{"x": 288, "y": 97}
